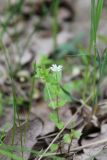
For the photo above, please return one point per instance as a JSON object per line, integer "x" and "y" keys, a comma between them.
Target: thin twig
{"x": 47, "y": 136}
{"x": 79, "y": 148}
{"x": 89, "y": 145}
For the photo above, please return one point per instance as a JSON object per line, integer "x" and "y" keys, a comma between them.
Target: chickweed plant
{"x": 69, "y": 137}
{"x": 51, "y": 77}
{"x": 57, "y": 98}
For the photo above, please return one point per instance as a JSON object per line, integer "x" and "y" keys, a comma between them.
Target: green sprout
{"x": 51, "y": 77}
{"x": 56, "y": 98}
{"x": 68, "y": 137}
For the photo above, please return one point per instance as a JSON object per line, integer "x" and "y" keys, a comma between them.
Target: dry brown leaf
{"x": 33, "y": 129}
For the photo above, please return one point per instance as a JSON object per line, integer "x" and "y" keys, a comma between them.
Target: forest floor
{"x": 41, "y": 33}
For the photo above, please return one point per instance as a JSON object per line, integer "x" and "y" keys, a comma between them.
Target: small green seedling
{"x": 54, "y": 147}
{"x": 57, "y": 98}
{"x": 69, "y": 137}
{"x": 51, "y": 77}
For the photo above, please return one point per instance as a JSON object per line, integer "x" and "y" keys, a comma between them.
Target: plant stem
{"x": 69, "y": 147}
{"x": 31, "y": 97}
{"x": 55, "y": 7}
{"x": 57, "y": 99}
{"x": 14, "y": 98}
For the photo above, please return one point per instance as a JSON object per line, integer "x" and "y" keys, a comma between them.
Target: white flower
{"x": 56, "y": 68}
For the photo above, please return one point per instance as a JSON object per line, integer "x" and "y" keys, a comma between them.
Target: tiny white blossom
{"x": 56, "y": 68}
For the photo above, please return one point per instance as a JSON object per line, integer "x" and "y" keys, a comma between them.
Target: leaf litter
{"x": 23, "y": 53}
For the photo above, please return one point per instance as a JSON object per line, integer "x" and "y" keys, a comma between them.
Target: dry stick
{"x": 63, "y": 129}
{"x": 89, "y": 145}
{"x": 80, "y": 148}
{"x": 47, "y": 136}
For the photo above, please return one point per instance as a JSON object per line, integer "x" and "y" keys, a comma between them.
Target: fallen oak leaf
{"x": 25, "y": 136}
{"x": 90, "y": 128}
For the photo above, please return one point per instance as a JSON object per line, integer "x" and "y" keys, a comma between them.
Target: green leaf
{"x": 52, "y": 105}
{"x": 62, "y": 102}
{"x": 43, "y": 73}
{"x": 96, "y": 11}
{"x": 54, "y": 147}
{"x": 50, "y": 92}
{"x": 58, "y": 104}
{"x": 76, "y": 134}
{"x": 60, "y": 125}
{"x": 54, "y": 117}
{"x": 67, "y": 139}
